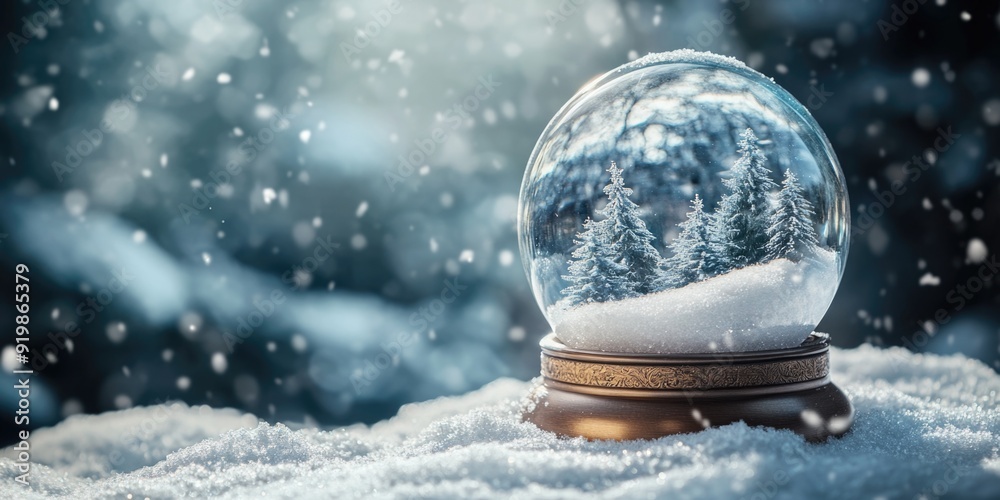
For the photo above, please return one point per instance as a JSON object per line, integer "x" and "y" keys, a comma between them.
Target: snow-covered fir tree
{"x": 594, "y": 271}
{"x": 690, "y": 249}
{"x": 630, "y": 238}
{"x": 791, "y": 233}
{"x": 615, "y": 258}
{"x": 740, "y": 223}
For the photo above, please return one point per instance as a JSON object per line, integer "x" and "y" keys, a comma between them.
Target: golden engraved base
{"x": 639, "y": 396}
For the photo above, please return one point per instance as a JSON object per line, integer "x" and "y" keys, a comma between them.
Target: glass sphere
{"x": 683, "y": 203}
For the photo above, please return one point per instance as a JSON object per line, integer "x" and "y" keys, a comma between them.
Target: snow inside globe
{"x": 683, "y": 203}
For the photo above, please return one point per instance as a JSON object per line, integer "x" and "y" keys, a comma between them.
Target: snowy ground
{"x": 926, "y": 425}
{"x": 766, "y": 306}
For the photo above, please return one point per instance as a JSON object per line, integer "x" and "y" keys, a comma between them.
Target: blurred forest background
{"x": 211, "y": 191}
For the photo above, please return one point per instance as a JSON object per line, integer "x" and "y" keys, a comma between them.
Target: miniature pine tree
{"x": 690, "y": 249}
{"x": 740, "y": 224}
{"x": 791, "y": 234}
{"x": 630, "y": 238}
{"x": 594, "y": 270}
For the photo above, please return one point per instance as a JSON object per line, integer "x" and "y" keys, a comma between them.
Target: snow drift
{"x": 766, "y": 306}
{"x": 927, "y": 427}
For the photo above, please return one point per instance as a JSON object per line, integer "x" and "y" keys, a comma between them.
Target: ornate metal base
{"x": 633, "y": 396}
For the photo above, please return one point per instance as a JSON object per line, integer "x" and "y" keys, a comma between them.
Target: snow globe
{"x": 683, "y": 222}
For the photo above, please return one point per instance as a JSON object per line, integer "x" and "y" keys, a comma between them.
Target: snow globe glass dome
{"x": 683, "y": 203}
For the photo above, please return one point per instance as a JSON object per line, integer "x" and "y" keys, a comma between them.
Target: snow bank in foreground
{"x": 95, "y": 446}
{"x": 766, "y": 306}
{"x": 926, "y": 425}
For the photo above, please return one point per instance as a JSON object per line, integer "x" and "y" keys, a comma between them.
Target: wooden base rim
{"x": 615, "y": 396}
{"x": 815, "y": 413}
